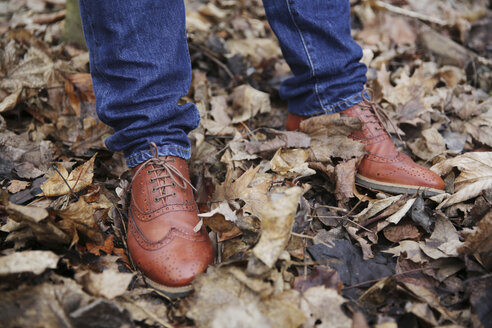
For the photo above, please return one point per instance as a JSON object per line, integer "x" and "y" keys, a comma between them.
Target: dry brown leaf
{"x": 409, "y": 249}
{"x": 277, "y": 217}
{"x": 405, "y": 230}
{"x": 291, "y": 163}
{"x": 226, "y": 297}
{"x": 107, "y": 247}
{"x": 281, "y": 139}
{"x": 323, "y": 308}
{"x": 345, "y": 175}
{"x": 17, "y": 185}
{"x": 254, "y": 196}
{"x": 480, "y": 127}
{"x": 429, "y": 145}
{"x": 28, "y": 261}
{"x": 247, "y": 102}
{"x": 144, "y": 306}
{"x": 444, "y": 237}
{"x": 478, "y": 241}
{"x": 109, "y": 283}
{"x": 257, "y": 49}
{"x": 376, "y": 206}
{"x": 79, "y": 178}
{"x": 329, "y": 137}
{"x": 475, "y": 176}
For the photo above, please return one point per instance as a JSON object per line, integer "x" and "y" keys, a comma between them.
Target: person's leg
{"x": 328, "y": 78}
{"x": 316, "y": 43}
{"x": 140, "y": 68}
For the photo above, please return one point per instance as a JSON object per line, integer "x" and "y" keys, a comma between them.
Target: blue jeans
{"x": 140, "y": 67}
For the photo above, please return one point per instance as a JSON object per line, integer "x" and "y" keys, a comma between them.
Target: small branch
{"x": 66, "y": 182}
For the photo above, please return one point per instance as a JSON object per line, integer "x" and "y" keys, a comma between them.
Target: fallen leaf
{"x": 277, "y": 217}
{"x": 444, "y": 237}
{"x": 29, "y": 213}
{"x": 291, "y": 163}
{"x": 107, "y": 247}
{"x": 347, "y": 260}
{"x": 78, "y": 179}
{"x": 475, "y": 176}
{"x": 79, "y": 216}
{"x": 280, "y": 139}
{"x": 28, "y": 261}
{"x": 247, "y": 102}
{"x": 17, "y": 185}
{"x": 405, "y": 230}
{"x": 478, "y": 241}
{"x": 226, "y": 297}
{"x": 429, "y": 145}
{"x": 43, "y": 305}
{"x": 257, "y": 49}
{"x": 323, "y": 308}
{"x": 145, "y": 306}
{"x": 409, "y": 249}
{"x": 374, "y": 207}
{"x": 329, "y": 137}
{"x": 109, "y": 283}
{"x": 345, "y": 177}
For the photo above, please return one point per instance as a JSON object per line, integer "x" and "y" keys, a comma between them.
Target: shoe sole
{"x": 171, "y": 292}
{"x": 394, "y": 188}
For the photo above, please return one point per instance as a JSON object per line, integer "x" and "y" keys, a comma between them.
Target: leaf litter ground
{"x": 298, "y": 242}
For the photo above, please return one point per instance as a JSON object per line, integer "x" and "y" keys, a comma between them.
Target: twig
{"x": 409, "y": 13}
{"x": 210, "y": 56}
{"x": 66, "y": 182}
{"x": 310, "y": 237}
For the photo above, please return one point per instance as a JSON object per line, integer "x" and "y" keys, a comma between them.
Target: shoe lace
{"x": 380, "y": 116}
{"x": 164, "y": 170}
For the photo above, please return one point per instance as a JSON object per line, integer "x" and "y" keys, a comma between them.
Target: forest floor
{"x": 299, "y": 243}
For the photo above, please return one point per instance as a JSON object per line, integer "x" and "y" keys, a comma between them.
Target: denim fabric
{"x": 316, "y": 42}
{"x": 140, "y": 67}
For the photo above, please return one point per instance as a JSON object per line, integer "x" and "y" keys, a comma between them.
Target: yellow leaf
{"x": 78, "y": 179}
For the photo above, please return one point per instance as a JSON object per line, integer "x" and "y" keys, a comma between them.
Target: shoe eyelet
{"x": 148, "y": 172}
{"x": 156, "y": 199}
{"x": 153, "y": 189}
{"x": 173, "y": 184}
{"x": 174, "y": 193}
{"x": 151, "y": 180}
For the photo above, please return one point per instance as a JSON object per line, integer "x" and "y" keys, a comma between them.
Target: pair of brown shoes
{"x": 162, "y": 237}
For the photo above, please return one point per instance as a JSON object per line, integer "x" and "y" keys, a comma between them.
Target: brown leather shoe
{"x": 383, "y": 167}
{"x": 161, "y": 221}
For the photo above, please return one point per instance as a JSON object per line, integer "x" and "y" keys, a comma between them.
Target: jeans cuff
{"x": 340, "y": 106}
{"x": 142, "y": 156}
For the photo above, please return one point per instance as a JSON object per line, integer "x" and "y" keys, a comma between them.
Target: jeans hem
{"x": 142, "y": 156}
{"x": 338, "y": 107}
